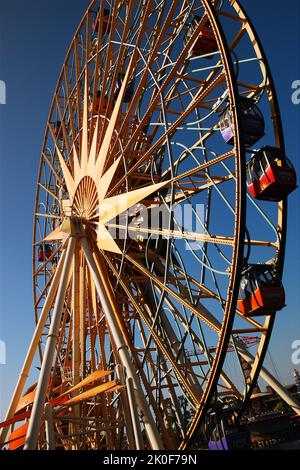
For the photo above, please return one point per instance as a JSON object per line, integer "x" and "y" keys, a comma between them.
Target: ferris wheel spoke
{"x": 176, "y": 346}
{"x": 173, "y": 234}
{"x": 198, "y": 98}
{"x": 108, "y": 57}
{"x": 47, "y": 190}
{"x": 199, "y": 168}
{"x": 208, "y": 362}
{"x": 122, "y": 48}
{"x": 211, "y": 182}
{"x": 160, "y": 33}
{"x": 62, "y": 125}
{"x": 77, "y": 86}
{"x": 257, "y": 326}
{"x": 169, "y": 77}
{"x": 201, "y": 311}
{"x": 186, "y": 325}
{"x": 156, "y": 338}
{"x": 66, "y": 172}
{"x": 185, "y": 190}
{"x": 103, "y": 153}
{"x": 51, "y": 166}
{"x": 214, "y": 295}
{"x": 84, "y": 150}
{"x": 165, "y": 370}
{"x": 189, "y": 279}
{"x": 70, "y": 105}
{"x": 109, "y": 47}
{"x": 47, "y": 216}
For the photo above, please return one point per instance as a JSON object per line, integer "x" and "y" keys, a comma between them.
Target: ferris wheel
{"x": 159, "y": 230}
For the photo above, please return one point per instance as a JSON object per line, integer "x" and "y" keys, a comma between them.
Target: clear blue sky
{"x": 34, "y": 37}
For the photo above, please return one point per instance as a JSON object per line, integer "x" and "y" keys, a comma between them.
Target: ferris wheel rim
{"x": 228, "y": 329}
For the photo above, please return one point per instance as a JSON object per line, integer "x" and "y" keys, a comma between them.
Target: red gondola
{"x": 104, "y": 105}
{"x": 206, "y": 42}
{"x": 57, "y": 130}
{"x": 270, "y": 175}
{"x": 96, "y": 108}
{"x": 105, "y": 23}
{"x": 44, "y": 253}
{"x": 261, "y": 292}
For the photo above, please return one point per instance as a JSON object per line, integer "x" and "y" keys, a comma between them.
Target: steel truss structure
{"x": 138, "y": 329}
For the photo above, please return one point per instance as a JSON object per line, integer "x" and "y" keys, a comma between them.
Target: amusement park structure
{"x": 161, "y": 107}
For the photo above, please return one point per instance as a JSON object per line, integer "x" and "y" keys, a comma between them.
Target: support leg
{"x": 134, "y": 415}
{"x": 49, "y": 424}
{"x": 39, "y": 401}
{"x": 267, "y": 377}
{"x": 126, "y": 408}
{"x": 122, "y": 348}
{"x": 33, "y": 346}
{"x": 74, "y": 427}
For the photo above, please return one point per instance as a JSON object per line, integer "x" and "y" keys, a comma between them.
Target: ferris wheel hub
{"x": 73, "y": 226}
{"x": 86, "y": 201}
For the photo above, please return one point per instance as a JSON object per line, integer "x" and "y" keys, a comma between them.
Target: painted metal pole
{"x": 74, "y": 427}
{"x": 126, "y": 407}
{"x": 82, "y": 319}
{"x": 267, "y": 377}
{"x": 49, "y": 425}
{"x": 134, "y": 415}
{"x": 150, "y": 427}
{"x": 76, "y": 317}
{"x": 43, "y": 382}
{"x": 33, "y": 346}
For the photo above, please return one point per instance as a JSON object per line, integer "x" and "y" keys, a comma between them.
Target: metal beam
{"x": 33, "y": 346}
{"x": 45, "y": 373}
{"x": 49, "y": 427}
{"x": 126, "y": 407}
{"x": 151, "y": 429}
{"x": 268, "y": 377}
{"x": 134, "y": 415}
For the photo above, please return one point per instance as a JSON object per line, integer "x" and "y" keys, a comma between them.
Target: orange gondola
{"x": 57, "y": 130}
{"x": 44, "y": 252}
{"x": 261, "y": 291}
